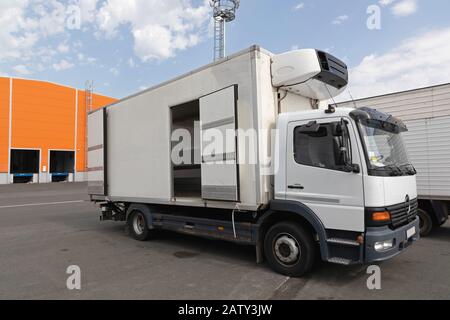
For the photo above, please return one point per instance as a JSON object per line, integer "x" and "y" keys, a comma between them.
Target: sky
{"x": 128, "y": 46}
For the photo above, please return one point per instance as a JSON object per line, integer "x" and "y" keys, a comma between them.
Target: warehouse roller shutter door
{"x": 24, "y": 165}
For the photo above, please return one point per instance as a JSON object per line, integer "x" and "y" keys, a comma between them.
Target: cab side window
{"x": 319, "y": 149}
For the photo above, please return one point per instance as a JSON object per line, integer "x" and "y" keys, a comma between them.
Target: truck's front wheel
{"x": 426, "y": 223}
{"x": 289, "y": 249}
{"x": 137, "y": 226}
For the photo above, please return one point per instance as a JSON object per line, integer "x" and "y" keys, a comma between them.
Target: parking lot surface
{"x": 46, "y": 228}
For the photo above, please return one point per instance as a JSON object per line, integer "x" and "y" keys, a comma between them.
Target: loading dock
{"x": 25, "y": 165}
{"x": 62, "y": 165}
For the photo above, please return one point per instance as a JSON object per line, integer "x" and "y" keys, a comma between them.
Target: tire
{"x": 138, "y": 227}
{"x": 290, "y": 249}
{"x": 426, "y": 223}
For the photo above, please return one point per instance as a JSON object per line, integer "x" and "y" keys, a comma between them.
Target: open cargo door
{"x": 96, "y": 153}
{"x": 219, "y": 160}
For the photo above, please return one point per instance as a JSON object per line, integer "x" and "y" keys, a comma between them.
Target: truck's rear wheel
{"x": 426, "y": 223}
{"x": 289, "y": 249}
{"x": 137, "y": 226}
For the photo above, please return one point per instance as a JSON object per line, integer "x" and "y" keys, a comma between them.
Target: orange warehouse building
{"x": 43, "y": 131}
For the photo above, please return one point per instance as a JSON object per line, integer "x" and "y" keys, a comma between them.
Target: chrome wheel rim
{"x": 138, "y": 223}
{"x": 287, "y": 249}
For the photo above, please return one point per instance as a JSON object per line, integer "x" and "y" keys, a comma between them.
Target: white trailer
{"x": 246, "y": 150}
{"x": 426, "y": 112}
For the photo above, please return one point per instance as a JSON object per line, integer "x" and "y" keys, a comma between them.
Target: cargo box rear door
{"x": 219, "y": 145}
{"x": 97, "y": 153}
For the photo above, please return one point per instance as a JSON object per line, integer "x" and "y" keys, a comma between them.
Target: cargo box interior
{"x": 187, "y": 181}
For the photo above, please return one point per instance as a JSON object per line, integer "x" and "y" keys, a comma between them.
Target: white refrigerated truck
{"x": 246, "y": 150}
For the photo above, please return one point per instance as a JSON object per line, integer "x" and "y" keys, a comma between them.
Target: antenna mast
{"x": 223, "y": 11}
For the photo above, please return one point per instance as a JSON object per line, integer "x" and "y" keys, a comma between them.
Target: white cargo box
{"x": 130, "y": 143}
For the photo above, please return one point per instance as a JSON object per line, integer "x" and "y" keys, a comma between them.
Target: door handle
{"x": 296, "y": 186}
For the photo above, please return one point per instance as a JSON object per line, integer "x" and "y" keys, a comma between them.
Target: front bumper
{"x": 401, "y": 241}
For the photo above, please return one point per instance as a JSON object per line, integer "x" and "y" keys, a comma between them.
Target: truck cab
{"x": 349, "y": 168}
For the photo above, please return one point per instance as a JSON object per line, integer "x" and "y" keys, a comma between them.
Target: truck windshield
{"x": 386, "y": 151}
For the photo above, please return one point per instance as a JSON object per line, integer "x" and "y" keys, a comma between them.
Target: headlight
{"x": 384, "y": 245}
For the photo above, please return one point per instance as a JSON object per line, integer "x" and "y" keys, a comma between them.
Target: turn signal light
{"x": 381, "y": 216}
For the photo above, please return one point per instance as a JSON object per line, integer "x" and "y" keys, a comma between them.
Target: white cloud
{"x": 22, "y": 70}
{"x": 385, "y": 3}
{"x": 404, "y": 8}
{"x": 25, "y": 24}
{"x": 16, "y": 34}
{"x": 62, "y": 65}
{"x": 131, "y": 63}
{"x": 114, "y": 71}
{"x": 78, "y": 44}
{"x": 341, "y": 19}
{"x": 45, "y": 54}
{"x": 299, "y": 6}
{"x": 88, "y": 10}
{"x": 50, "y": 17}
{"x": 159, "y": 28}
{"x": 40, "y": 67}
{"x": 63, "y": 47}
{"x": 85, "y": 60}
{"x": 418, "y": 62}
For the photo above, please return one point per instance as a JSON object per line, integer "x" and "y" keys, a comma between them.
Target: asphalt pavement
{"x": 44, "y": 229}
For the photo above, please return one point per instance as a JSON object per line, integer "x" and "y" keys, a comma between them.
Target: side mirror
{"x": 346, "y": 155}
{"x": 343, "y": 148}
{"x": 349, "y": 166}
{"x": 355, "y": 168}
{"x": 352, "y": 168}
{"x": 338, "y": 151}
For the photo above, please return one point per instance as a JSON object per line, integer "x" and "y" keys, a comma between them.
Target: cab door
{"x": 316, "y": 177}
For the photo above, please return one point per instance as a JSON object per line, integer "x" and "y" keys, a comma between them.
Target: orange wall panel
{"x": 99, "y": 101}
{"x": 43, "y": 117}
{"x": 81, "y": 132}
{"x": 4, "y": 124}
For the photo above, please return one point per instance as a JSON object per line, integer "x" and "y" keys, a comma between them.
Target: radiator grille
{"x": 404, "y": 213}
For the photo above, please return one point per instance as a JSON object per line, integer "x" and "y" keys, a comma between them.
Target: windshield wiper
{"x": 395, "y": 170}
